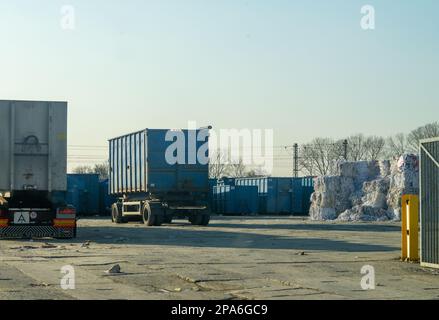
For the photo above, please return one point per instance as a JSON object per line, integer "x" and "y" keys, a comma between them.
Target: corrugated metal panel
{"x": 220, "y": 193}
{"x": 235, "y": 200}
{"x": 138, "y": 164}
{"x": 246, "y": 200}
{"x": 429, "y": 202}
{"x": 281, "y": 195}
{"x": 128, "y": 163}
{"x": 212, "y": 184}
{"x": 261, "y": 183}
{"x": 303, "y": 190}
{"x": 83, "y": 193}
{"x": 33, "y": 145}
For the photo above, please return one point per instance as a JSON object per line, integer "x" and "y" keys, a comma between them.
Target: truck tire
{"x": 152, "y": 214}
{"x": 116, "y": 214}
{"x": 205, "y": 220}
{"x": 201, "y": 219}
{"x": 168, "y": 218}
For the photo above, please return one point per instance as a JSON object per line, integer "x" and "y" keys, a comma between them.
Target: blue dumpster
{"x": 83, "y": 193}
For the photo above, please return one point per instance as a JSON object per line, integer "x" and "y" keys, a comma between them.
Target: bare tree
{"x": 83, "y": 170}
{"x": 430, "y": 130}
{"x": 256, "y": 172}
{"x": 218, "y": 165}
{"x": 396, "y": 145}
{"x": 320, "y": 156}
{"x": 369, "y": 148}
{"x": 102, "y": 169}
{"x": 375, "y": 147}
{"x": 238, "y": 169}
{"x": 357, "y": 147}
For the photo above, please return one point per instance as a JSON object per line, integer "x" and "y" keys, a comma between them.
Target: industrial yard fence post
{"x": 410, "y": 227}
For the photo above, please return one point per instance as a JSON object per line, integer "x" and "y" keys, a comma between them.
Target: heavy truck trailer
{"x": 159, "y": 174}
{"x": 33, "y": 164}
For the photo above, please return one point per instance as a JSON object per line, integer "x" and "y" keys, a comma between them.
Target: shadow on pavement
{"x": 359, "y": 227}
{"x": 208, "y": 237}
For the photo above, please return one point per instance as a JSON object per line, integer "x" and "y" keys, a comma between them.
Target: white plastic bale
{"x": 365, "y": 213}
{"x": 320, "y": 214}
{"x": 365, "y": 190}
{"x": 359, "y": 171}
{"x": 375, "y": 193}
{"x": 385, "y": 167}
{"x": 331, "y": 197}
{"x": 404, "y": 180}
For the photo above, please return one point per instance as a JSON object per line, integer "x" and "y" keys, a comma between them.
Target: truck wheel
{"x": 201, "y": 219}
{"x": 116, "y": 214}
{"x": 150, "y": 215}
{"x": 168, "y": 219}
{"x": 205, "y": 219}
{"x": 147, "y": 216}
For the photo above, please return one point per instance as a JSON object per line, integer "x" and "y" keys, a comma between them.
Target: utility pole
{"x": 296, "y": 161}
{"x": 345, "y": 149}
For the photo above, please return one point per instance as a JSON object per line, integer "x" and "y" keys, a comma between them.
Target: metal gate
{"x": 429, "y": 202}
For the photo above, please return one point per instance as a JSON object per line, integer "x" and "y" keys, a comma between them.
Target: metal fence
{"x": 429, "y": 202}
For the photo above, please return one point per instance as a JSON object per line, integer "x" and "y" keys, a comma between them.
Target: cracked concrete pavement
{"x": 233, "y": 258}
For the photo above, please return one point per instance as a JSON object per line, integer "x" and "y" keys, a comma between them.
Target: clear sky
{"x": 302, "y": 68}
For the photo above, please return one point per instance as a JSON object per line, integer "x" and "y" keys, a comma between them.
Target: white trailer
{"x": 33, "y": 170}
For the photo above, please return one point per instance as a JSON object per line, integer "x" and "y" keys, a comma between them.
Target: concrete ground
{"x": 233, "y": 258}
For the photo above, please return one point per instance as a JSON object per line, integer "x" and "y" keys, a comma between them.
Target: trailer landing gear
{"x": 154, "y": 212}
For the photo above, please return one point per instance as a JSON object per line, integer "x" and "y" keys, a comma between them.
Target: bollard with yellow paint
{"x": 410, "y": 227}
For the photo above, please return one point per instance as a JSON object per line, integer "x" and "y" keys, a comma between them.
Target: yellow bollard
{"x": 410, "y": 227}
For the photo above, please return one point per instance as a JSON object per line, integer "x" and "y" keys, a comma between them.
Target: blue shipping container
{"x": 220, "y": 195}
{"x": 306, "y": 191}
{"x": 245, "y": 200}
{"x": 212, "y": 184}
{"x": 138, "y": 162}
{"x": 83, "y": 193}
{"x": 281, "y": 195}
{"x": 235, "y": 200}
{"x": 226, "y": 181}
